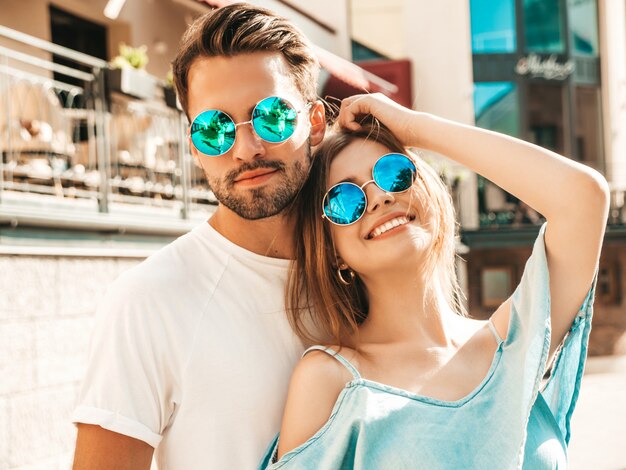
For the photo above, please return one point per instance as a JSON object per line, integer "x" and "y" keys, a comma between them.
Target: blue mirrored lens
{"x": 394, "y": 173}
{"x": 344, "y": 204}
{"x": 213, "y": 132}
{"x": 274, "y": 119}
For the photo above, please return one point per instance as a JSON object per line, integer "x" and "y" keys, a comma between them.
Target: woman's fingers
{"x": 375, "y": 104}
{"x": 397, "y": 118}
{"x": 350, "y": 108}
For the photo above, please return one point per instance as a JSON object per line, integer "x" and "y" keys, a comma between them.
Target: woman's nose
{"x": 376, "y": 197}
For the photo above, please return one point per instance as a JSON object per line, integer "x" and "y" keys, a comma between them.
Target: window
{"x": 608, "y": 289}
{"x": 543, "y": 22}
{"x": 496, "y": 285}
{"x": 589, "y": 127}
{"x": 496, "y": 107}
{"x": 493, "y": 26}
{"x": 546, "y": 116}
{"x": 583, "y": 23}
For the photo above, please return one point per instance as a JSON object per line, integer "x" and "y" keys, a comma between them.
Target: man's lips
{"x": 255, "y": 176}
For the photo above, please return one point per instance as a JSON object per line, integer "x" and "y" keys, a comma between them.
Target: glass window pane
{"x": 589, "y": 127}
{"x": 544, "y": 26}
{"x": 496, "y": 107}
{"x": 496, "y": 285}
{"x": 493, "y": 26}
{"x": 583, "y": 21}
{"x": 546, "y": 124}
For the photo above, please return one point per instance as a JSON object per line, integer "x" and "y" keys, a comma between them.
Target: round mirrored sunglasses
{"x": 345, "y": 202}
{"x": 274, "y": 119}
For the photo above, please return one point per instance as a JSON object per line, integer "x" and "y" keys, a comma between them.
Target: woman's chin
{"x": 398, "y": 256}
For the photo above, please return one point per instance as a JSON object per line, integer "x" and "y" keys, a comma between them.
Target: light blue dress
{"x": 513, "y": 419}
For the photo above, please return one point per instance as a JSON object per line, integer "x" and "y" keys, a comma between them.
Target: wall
{"x": 332, "y": 13}
{"x": 46, "y": 318}
{"x": 380, "y": 26}
{"x": 612, "y": 19}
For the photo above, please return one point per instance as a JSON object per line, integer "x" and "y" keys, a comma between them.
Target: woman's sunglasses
{"x": 274, "y": 120}
{"x": 345, "y": 203}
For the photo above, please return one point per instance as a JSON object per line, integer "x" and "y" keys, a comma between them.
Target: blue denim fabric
{"x": 509, "y": 420}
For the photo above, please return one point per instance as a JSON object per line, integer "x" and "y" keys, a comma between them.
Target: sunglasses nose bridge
{"x": 243, "y": 123}
{"x": 248, "y": 145}
{"x": 376, "y": 196}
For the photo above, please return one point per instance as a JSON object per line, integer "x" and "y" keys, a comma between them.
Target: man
{"x": 192, "y": 352}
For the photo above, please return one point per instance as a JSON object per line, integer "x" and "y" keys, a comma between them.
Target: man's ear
{"x": 194, "y": 153}
{"x": 317, "y": 117}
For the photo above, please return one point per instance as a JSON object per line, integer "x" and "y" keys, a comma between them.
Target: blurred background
{"x": 96, "y": 173}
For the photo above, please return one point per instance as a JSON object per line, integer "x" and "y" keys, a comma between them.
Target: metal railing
{"x": 78, "y": 153}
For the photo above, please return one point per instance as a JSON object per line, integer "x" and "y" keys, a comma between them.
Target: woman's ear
{"x": 317, "y": 118}
{"x": 340, "y": 264}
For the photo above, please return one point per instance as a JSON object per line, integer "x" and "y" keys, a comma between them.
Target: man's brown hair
{"x": 243, "y": 28}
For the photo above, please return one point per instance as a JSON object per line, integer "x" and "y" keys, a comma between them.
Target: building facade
{"x": 539, "y": 74}
{"x": 552, "y": 72}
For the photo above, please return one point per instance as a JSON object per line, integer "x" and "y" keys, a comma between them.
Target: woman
{"x": 407, "y": 380}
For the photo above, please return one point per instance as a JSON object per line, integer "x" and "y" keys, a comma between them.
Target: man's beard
{"x": 265, "y": 201}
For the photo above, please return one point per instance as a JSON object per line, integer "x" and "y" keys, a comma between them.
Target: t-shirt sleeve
{"x": 529, "y": 338}
{"x": 270, "y": 455}
{"x": 128, "y": 385}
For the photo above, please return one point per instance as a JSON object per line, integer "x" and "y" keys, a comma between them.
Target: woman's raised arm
{"x": 572, "y": 197}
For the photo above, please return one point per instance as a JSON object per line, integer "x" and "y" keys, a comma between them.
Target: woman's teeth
{"x": 388, "y": 226}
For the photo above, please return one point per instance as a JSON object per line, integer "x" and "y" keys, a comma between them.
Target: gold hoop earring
{"x": 342, "y": 279}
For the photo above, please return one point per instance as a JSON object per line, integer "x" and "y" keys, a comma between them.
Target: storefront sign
{"x": 548, "y": 68}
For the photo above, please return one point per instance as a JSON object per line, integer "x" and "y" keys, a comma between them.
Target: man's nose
{"x": 248, "y": 145}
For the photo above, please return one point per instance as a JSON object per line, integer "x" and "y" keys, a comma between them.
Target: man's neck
{"x": 272, "y": 236}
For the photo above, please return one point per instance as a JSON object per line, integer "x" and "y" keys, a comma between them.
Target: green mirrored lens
{"x": 394, "y": 173}
{"x": 274, "y": 119}
{"x": 344, "y": 203}
{"x": 213, "y": 132}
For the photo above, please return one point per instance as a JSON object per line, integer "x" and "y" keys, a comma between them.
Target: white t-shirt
{"x": 192, "y": 353}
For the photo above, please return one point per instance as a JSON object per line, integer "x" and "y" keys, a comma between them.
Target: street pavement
{"x": 598, "y": 439}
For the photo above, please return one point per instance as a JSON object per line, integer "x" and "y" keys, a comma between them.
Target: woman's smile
{"x": 389, "y": 225}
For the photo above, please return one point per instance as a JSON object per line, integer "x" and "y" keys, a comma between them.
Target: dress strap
{"x": 336, "y": 355}
{"x": 494, "y": 331}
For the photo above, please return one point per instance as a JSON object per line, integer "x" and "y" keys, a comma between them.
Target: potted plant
{"x": 127, "y": 73}
{"x": 168, "y": 91}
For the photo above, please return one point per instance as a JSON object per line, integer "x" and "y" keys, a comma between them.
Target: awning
{"x": 352, "y": 74}
{"x": 397, "y": 73}
{"x": 348, "y": 72}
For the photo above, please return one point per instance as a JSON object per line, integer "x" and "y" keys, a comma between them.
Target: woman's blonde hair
{"x": 321, "y": 308}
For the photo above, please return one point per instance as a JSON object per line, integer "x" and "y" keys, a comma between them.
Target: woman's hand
{"x": 403, "y": 122}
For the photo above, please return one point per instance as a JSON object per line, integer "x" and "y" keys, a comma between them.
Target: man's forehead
{"x": 239, "y": 81}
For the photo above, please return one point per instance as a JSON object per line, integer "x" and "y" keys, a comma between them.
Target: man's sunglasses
{"x": 345, "y": 202}
{"x": 274, "y": 120}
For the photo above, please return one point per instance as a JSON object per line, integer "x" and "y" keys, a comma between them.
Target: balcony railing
{"x": 78, "y": 153}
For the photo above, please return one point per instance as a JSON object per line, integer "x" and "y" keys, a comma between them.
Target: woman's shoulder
{"x": 316, "y": 383}
{"x": 326, "y": 362}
